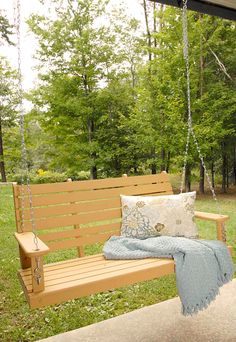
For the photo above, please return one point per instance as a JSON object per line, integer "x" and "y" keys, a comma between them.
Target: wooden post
{"x": 220, "y": 231}
{"x": 221, "y": 234}
{"x": 37, "y": 274}
{"x": 18, "y": 216}
{"x": 24, "y": 260}
{"x": 80, "y": 249}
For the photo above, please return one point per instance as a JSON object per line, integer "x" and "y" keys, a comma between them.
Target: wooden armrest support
{"x": 218, "y": 219}
{"x": 211, "y": 217}
{"x": 26, "y": 242}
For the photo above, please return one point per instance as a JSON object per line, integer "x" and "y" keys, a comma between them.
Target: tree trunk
{"x": 93, "y": 169}
{"x": 212, "y": 168}
{"x": 168, "y": 162}
{"x": 213, "y": 173}
{"x": 153, "y": 166}
{"x": 201, "y": 181}
{"x": 117, "y": 166}
{"x": 154, "y": 169}
{"x": 201, "y": 78}
{"x": 132, "y": 70}
{"x": 224, "y": 168}
{"x": 163, "y": 154}
{"x": 234, "y": 165}
{"x": 147, "y": 31}
{"x": 2, "y": 164}
{"x": 154, "y": 24}
{"x": 201, "y": 81}
{"x": 227, "y": 172}
{"x": 93, "y": 172}
{"x": 188, "y": 178}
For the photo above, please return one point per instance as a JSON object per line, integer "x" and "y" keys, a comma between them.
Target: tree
{"x": 5, "y": 30}
{"x": 78, "y": 53}
{"x": 114, "y": 100}
{"x": 8, "y": 107}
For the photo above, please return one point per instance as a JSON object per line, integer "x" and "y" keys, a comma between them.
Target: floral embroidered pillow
{"x": 149, "y": 216}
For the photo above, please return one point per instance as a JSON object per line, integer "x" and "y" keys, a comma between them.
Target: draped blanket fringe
{"x": 202, "y": 266}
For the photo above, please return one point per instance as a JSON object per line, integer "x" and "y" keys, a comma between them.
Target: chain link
{"x": 37, "y": 271}
{"x": 24, "y": 164}
{"x": 190, "y": 125}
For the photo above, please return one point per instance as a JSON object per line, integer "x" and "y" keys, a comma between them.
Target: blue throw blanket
{"x": 202, "y": 266}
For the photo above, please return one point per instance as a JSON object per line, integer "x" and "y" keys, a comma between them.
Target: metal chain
{"x": 37, "y": 271}
{"x": 24, "y": 164}
{"x": 190, "y": 126}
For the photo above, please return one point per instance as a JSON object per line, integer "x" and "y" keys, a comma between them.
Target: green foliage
{"x": 112, "y": 100}
{"x": 39, "y": 177}
{"x": 8, "y": 116}
{"x": 5, "y": 30}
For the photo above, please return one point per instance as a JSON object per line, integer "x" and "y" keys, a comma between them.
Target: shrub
{"x": 80, "y": 175}
{"x": 39, "y": 177}
{"x": 49, "y": 177}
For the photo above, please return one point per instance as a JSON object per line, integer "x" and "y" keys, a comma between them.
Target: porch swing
{"x": 92, "y": 210}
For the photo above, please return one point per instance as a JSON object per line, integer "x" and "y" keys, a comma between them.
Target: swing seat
{"x": 88, "y": 275}
{"x": 76, "y": 214}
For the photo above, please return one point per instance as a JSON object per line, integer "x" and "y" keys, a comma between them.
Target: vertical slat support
{"x": 80, "y": 249}
{"x": 220, "y": 231}
{"x": 24, "y": 260}
{"x": 16, "y": 194}
{"x": 221, "y": 234}
{"x": 37, "y": 274}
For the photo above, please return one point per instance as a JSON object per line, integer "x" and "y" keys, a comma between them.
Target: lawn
{"x": 18, "y": 323}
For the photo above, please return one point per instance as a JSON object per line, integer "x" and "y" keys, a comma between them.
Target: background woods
{"x": 111, "y": 96}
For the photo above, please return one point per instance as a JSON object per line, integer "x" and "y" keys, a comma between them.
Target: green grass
{"x": 19, "y": 323}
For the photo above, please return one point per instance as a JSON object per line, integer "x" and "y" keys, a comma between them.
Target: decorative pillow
{"x": 149, "y": 216}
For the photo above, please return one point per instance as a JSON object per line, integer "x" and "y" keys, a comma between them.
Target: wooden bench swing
{"x": 89, "y": 212}
{"x": 76, "y": 214}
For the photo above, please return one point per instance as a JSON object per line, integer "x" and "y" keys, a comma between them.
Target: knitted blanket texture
{"x": 202, "y": 266}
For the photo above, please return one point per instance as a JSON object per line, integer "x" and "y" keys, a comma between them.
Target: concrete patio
{"x": 163, "y": 322}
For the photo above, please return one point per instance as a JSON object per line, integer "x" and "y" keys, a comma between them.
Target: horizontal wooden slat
{"x": 107, "y": 281}
{"x": 37, "y": 189}
{"x": 110, "y": 227}
{"x": 74, "y": 208}
{"x": 210, "y": 216}
{"x": 81, "y": 207}
{"x": 87, "y": 270}
{"x": 64, "y": 221}
{"x": 80, "y": 204}
{"x": 67, "y": 264}
{"x": 88, "y": 240}
{"x": 96, "y": 272}
{"x": 97, "y": 194}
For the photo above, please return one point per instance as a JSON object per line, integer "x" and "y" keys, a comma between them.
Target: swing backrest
{"x": 73, "y": 214}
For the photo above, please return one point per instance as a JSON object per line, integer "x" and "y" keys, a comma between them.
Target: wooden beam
{"x": 211, "y": 8}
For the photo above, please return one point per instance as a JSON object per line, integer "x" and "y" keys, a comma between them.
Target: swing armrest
{"x": 26, "y": 242}
{"x": 218, "y": 219}
{"x": 211, "y": 217}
